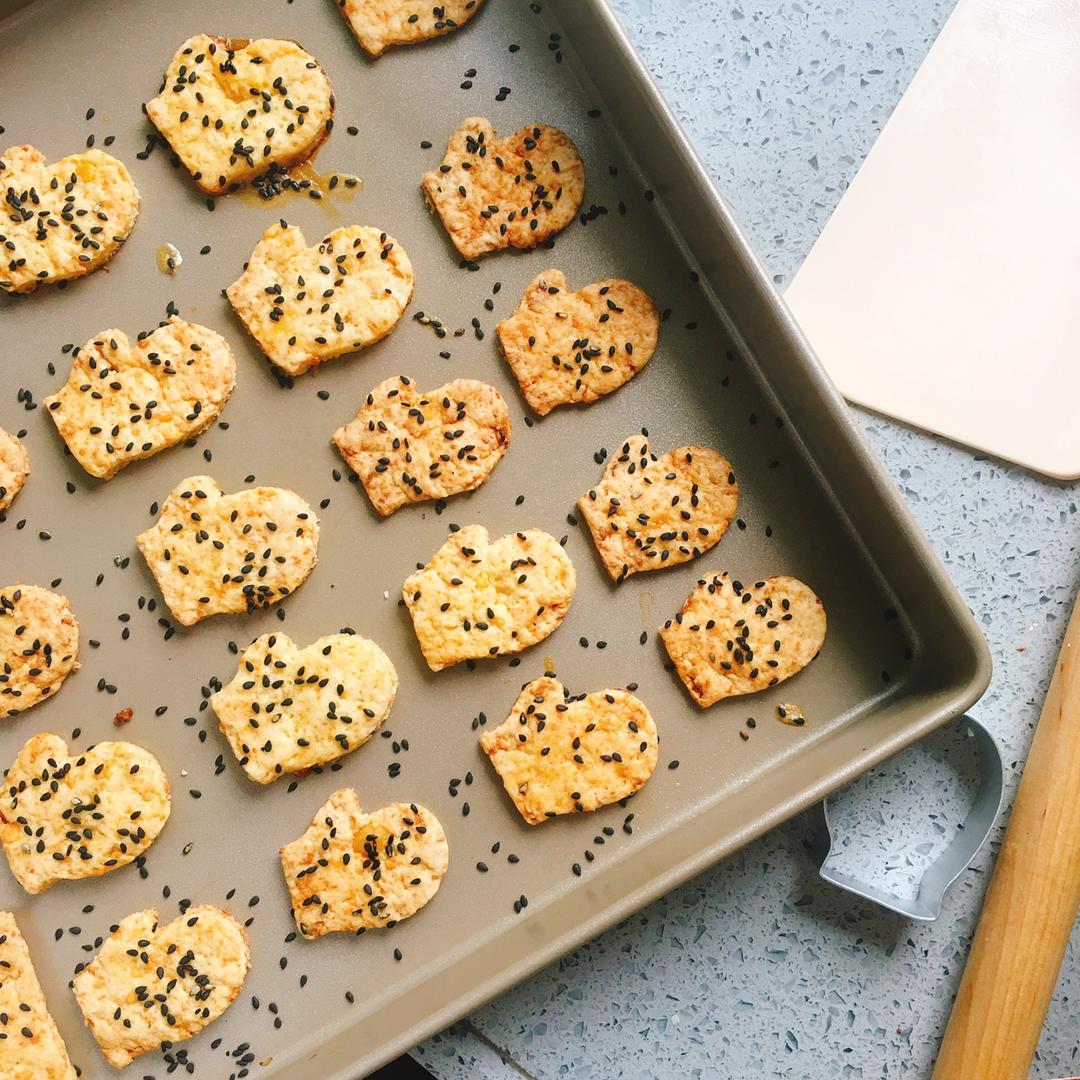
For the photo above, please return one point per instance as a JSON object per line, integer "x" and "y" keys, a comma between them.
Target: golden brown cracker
{"x": 479, "y": 599}
{"x": 14, "y": 468}
{"x": 378, "y": 24}
{"x": 571, "y": 348}
{"x": 289, "y": 709}
{"x": 123, "y": 402}
{"x": 558, "y": 754}
{"x": 63, "y": 220}
{"x": 71, "y": 816}
{"x": 304, "y": 305}
{"x": 233, "y": 110}
{"x": 353, "y": 870}
{"x": 31, "y": 1046}
{"x": 214, "y": 554}
{"x": 732, "y": 638}
{"x": 652, "y": 511}
{"x": 150, "y": 984}
{"x": 496, "y": 193}
{"x": 407, "y": 446}
{"x": 39, "y": 646}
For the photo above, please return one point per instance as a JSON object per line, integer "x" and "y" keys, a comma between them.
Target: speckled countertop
{"x": 758, "y": 968}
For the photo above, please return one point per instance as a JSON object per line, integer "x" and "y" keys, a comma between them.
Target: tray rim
{"x": 346, "y": 1053}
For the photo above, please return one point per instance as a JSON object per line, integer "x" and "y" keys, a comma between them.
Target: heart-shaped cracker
{"x": 558, "y": 754}
{"x": 479, "y": 599}
{"x": 732, "y": 638}
{"x": 649, "y": 512}
{"x": 496, "y": 193}
{"x": 407, "y": 446}
{"x": 356, "y": 871}
{"x": 66, "y": 817}
{"x": 232, "y": 110}
{"x": 288, "y": 709}
{"x": 31, "y": 1046}
{"x": 63, "y": 220}
{"x": 123, "y": 402}
{"x": 150, "y": 984}
{"x": 379, "y": 24}
{"x": 215, "y": 554}
{"x": 304, "y": 305}
{"x": 571, "y": 348}
{"x": 14, "y": 468}
{"x": 39, "y": 646}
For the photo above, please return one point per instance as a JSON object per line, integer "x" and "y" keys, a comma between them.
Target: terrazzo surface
{"x": 758, "y": 968}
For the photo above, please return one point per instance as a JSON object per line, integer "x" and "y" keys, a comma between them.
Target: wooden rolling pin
{"x": 1032, "y": 900}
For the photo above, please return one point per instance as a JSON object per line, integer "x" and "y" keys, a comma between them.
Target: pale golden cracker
{"x": 732, "y": 639}
{"x": 407, "y": 446}
{"x": 558, "y": 754}
{"x": 233, "y": 110}
{"x": 572, "y": 348}
{"x": 31, "y": 1046}
{"x": 356, "y": 871}
{"x": 66, "y": 817}
{"x": 124, "y": 402}
{"x": 496, "y": 193}
{"x": 14, "y": 468}
{"x": 39, "y": 646}
{"x": 63, "y": 220}
{"x": 151, "y": 984}
{"x": 215, "y": 554}
{"x": 479, "y": 599}
{"x": 289, "y": 709}
{"x": 304, "y": 305}
{"x": 648, "y": 512}
{"x": 378, "y": 24}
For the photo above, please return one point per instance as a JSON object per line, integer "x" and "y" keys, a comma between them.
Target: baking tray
{"x": 903, "y": 653}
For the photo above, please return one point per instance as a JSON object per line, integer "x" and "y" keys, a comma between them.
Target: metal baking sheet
{"x": 732, "y": 371}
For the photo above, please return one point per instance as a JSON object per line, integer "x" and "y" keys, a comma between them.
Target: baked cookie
{"x": 304, "y": 305}
{"x": 150, "y": 984}
{"x": 558, "y": 754}
{"x": 479, "y": 599}
{"x": 496, "y": 193}
{"x": 288, "y": 709}
{"x": 379, "y": 24}
{"x": 216, "y": 554}
{"x": 65, "y": 818}
{"x": 61, "y": 221}
{"x": 732, "y": 638}
{"x": 123, "y": 402}
{"x": 356, "y": 871}
{"x": 649, "y": 512}
{"x": 231, "y": 110}
{"x": 31, "y": 1046}
{"x": 14, "y": 468}
{"x": 571, "y": 348}
{"x": 407, "y": 446}
{"x": 39, "y": 646}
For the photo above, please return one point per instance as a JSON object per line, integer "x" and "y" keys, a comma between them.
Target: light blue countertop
{"x": 758, "y": 968}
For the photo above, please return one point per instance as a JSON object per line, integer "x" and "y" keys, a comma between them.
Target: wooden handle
{"x": 1032, "y": 901}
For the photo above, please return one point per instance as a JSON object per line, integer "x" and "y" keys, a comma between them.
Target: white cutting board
{"x": 945, "y": 289}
